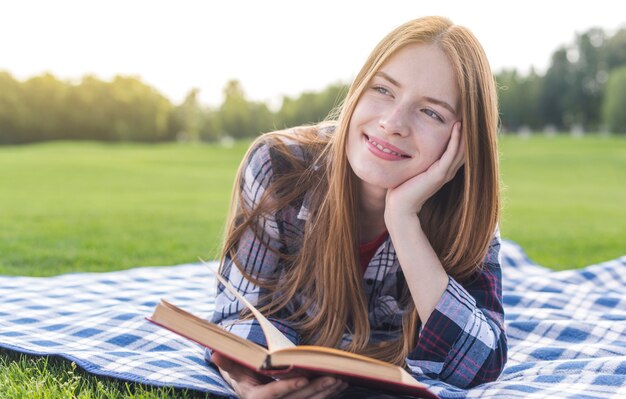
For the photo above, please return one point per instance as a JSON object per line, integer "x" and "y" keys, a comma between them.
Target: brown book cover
{"x": 304, "y": 360}
{"x": 282, "y": 358}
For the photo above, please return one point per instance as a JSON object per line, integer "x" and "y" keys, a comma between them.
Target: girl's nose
{"x": 393, "y": 122}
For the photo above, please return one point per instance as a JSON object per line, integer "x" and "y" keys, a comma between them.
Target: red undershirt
{"x": 367, "y": 250}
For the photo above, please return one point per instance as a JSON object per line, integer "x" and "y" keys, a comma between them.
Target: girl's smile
{"x": 384, "y": 150}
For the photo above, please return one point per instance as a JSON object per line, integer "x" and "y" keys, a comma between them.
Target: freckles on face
{"x": 403, "y": 120}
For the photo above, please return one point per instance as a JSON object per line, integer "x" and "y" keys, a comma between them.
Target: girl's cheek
{"x": 434, "y": 146}
{"x": 440, "y": 140}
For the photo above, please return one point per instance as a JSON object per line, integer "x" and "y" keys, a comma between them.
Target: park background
{"x": 107, "y": 163}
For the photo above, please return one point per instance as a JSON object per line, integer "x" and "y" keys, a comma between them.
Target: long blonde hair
{"x": 459, "y": 220}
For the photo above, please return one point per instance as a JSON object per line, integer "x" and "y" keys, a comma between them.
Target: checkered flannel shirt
{"x": 462, "y": 343}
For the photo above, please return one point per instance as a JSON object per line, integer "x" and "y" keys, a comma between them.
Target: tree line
{"x": 584, "y": 88}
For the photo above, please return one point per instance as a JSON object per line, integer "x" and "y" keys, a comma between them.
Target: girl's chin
{"x": 373, "y": 178}
{"x": 380, "y": 184}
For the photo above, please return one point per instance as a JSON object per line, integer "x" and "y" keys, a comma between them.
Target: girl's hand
{"x": 248, "y": 384}
{"x": 407, "y": 199}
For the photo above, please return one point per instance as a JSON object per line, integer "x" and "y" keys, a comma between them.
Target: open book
{"x": 282, "y": 358}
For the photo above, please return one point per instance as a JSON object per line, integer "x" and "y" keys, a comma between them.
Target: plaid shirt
{"x": 463, "y": 341}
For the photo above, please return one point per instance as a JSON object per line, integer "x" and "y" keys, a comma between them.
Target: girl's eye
{"x": 432, "y": 114}
{"x": 381, "y": 90}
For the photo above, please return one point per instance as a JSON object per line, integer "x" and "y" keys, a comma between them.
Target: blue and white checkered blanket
{"x": 567, "y": 330}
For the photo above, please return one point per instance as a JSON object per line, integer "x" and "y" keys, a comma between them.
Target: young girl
{"x": 377, "y": 233}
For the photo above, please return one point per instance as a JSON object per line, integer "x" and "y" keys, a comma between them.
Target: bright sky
{"x": 273, "y": 47}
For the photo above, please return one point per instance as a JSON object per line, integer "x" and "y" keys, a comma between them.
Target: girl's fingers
{"x": 284, "y": 389}
{"x": 222, "y": 362}
{"x": 249, "y": 384}
{"x": 240, "y": 377}
{"x": 332, "y": 391}
{"x": 320, "y": 388}
{"x": 461, "y": 150}
{"x": 452, "y": 148}
{"x": 455, "y": 153}
{"x": 457, "y": 140}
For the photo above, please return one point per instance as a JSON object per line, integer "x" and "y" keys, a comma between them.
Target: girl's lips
{"x": 384, "y": 150}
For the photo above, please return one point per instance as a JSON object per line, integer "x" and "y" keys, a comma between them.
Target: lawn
{"x": 67, "y": 207}
{"x": 564, "y": 198}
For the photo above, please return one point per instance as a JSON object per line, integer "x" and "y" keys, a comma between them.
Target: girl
{"x": 377, "y": 233}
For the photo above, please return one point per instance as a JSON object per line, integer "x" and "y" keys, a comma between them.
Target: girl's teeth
{"x": 383, "y": 149}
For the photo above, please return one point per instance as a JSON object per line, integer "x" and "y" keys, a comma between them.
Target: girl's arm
{"x": 462, "y": 340}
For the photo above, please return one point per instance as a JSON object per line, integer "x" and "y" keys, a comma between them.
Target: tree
{"x": 138, "y": 111}
{"x": 188, "y": 117}
{"x": 88, "y": 110}
{"x": 240, "y": 118}
{"x": 191, "y": 121}
{"x": 584, "y": 96}
{"x": 554, "y": 91}
{"x": 615, "y": 101}
{"x": 234, "y": 111}
{"x": 11, "y": 109}
{"x": 615, "y": 50}
{"x": 518, "y": 97}
{"x": 44, "y": 109}
{"x": 310, "y": 107}
{"x": 210, "y": 128}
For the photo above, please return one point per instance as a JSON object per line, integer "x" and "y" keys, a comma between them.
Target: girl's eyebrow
{"x": 388, "y": 78}
{"x": 441, "y": 103}
{"x": 429, "y": 99}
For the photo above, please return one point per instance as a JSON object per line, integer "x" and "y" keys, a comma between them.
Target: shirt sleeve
{"x": 463, "y": 342}
{"x": 256, "y": 254}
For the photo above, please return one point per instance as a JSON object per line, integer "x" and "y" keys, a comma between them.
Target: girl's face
{"x": 403, "y": 120}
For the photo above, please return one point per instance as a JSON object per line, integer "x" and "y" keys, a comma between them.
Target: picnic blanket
{"x": 566, "y": 330}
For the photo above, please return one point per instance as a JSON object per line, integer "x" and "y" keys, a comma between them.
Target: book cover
{"x": 283, "y": 359}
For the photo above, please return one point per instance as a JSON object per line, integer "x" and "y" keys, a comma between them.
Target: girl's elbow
{"x": 493, "y": 366}
{"x": 469, "y": 372}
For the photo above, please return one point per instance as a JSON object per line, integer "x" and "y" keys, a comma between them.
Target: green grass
{"x": 68, "y": 207}
{"x": 94, "y": 207}
{"x": 564, "y": 198}
{"x": 29, "y": 377}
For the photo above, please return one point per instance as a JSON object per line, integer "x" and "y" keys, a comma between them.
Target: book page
{"x": 208, "y": 334}
{"x": 275, "y": 339}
